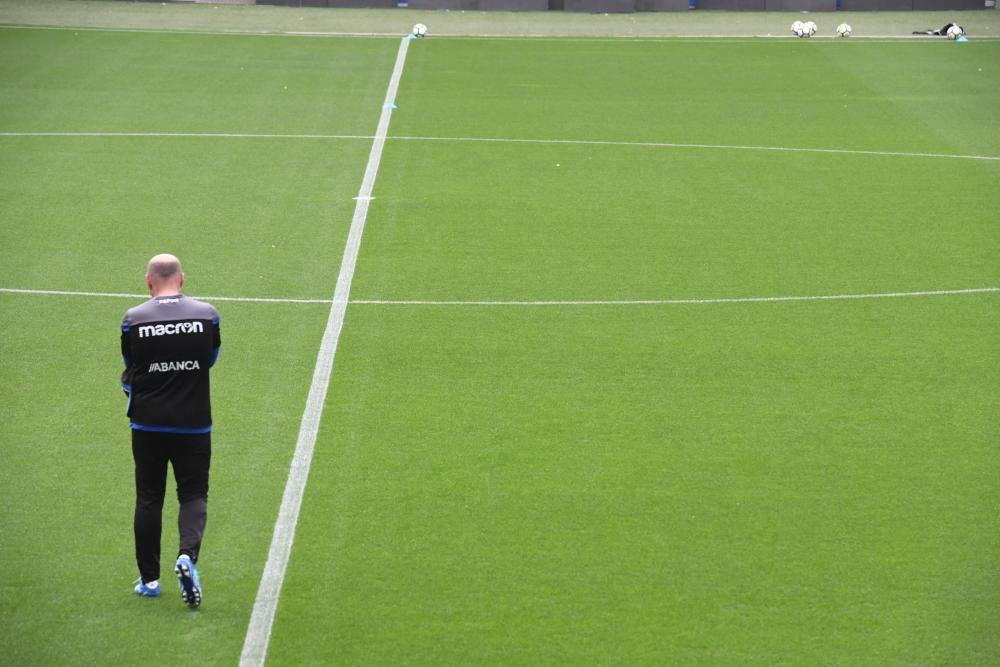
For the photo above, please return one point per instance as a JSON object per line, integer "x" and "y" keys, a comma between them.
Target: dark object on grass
{"x": 943, "y": 32}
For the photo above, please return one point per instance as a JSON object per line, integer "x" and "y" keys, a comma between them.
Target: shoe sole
{"x": 190, "y": 591}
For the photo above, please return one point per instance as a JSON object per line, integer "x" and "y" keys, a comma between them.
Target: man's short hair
{"x": 164, "y": 267}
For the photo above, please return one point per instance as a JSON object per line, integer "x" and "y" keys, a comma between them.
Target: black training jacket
{"x": 168, "y": 344}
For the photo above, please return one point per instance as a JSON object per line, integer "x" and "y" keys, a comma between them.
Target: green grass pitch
{"x": 718, "y": 483}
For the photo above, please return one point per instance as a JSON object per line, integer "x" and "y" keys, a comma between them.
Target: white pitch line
{"x": 565, "y": 302}
{"x": 56, "y": 292}
{"x": 731, "y": 147}
{"x": 508, "y": 140}
{"x": 121, "y": 295}
{"x": 675, "y": 302}
{"x": 195, "y": 31}
{"x": 190, "y": 135}
{"x": 262, "y": 618}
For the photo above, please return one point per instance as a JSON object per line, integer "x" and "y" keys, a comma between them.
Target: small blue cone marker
{"x": 390, "y": 105}
{"x": 412, "y": 36}
{"x": 961, "y": 38}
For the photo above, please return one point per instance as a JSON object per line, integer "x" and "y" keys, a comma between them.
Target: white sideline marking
{"x": 634, "y": 302}
{"x": 674, "y": 302}
{"x": 502, "y": 140}
{"x": 195, "y": 135}
{"x": 56, "y": 292}
{"x": 195, "y": 31}
{"x": 732, "y": 147}
{"x": 114, "y": 295}
{"x": 261, "y": 620}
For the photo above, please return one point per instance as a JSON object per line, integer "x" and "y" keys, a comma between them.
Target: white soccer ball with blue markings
{"x": 420, "y": 30}
{"x": 844, "y": 30}
{"x": 955, "y": 31}
{"x": 797, "y": 28}
{"x": 808, "y": 29}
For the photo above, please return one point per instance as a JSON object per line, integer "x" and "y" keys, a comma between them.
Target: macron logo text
{"x": 148, "y": 330}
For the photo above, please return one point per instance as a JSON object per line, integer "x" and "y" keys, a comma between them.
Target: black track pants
{"x": 190, "y": 456}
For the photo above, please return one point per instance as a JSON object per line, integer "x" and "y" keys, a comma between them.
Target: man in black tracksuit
{"x": 168, "y": 344}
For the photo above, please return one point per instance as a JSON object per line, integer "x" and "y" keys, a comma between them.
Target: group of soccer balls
{"x": 804, "y": 28}
{"x": 808, "y": 29}
{"x": 799, "y": 29}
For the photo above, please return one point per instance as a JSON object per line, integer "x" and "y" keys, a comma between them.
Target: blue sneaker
{"x": 147, "y": 590}
{"x": 187, "y": 576}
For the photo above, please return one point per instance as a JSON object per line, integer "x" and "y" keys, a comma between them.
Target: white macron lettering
{"x": 169, "y": 366}
{"x": 171, "y": 328}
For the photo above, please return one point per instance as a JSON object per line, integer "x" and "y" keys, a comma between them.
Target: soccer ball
{"x": 843, "y": 30}
{"x": 808, "y": 29}
{"x": 797, "y": 28}
{"x": 420, "y": 30}
{"x": 955, "y": 31}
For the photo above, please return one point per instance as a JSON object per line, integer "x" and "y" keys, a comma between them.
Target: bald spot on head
{"x": 164, "y": 274}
